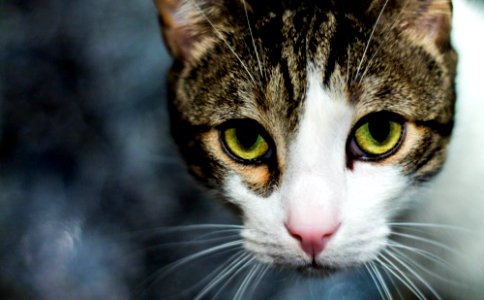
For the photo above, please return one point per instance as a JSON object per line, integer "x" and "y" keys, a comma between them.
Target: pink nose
{"x": 313, "y": 239}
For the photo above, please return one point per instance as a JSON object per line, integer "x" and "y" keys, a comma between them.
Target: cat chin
{"x": 311, "y": 269}
{"x": 321, "y": 267}
{"x": 315, "y": 270}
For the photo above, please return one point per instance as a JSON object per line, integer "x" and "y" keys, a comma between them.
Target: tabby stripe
{"x": 429, "y": 155}
{"x": 287, "y": 78}
{"x": 443, "y": 129}
{"x": 339, "y": 43}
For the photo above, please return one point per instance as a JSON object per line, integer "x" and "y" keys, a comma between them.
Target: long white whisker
{"x": 382, "y": 281}
{"x": 215, "y": 272}
{"x": 384, "y": 284}
{"x": 227, "y": 281}
{"x": 430, "y": 225}
{"x": 163, "y": 272}
{"x": 368, "y": 64}
{"x": 220, "y": 35}
{"x": 428, "y": 241}
{"x": 229, "y": 268}
{"x": 245, "y": 283}
{"x": 420, "y": 278}
{"x": 375, "y": 281}
{"x": 173, "y": 266}
{"x": 257, "y": 280}
{"x": 253, "y": 40}
{"x": 176, "y": 229}
{"x": 191, "y": 243}
{"x": 395, "y": 286}
{"x": 236, "y": 268}
{"x": 370, "y": 38}
{"x": 217, "y": 232}
{"x": 420, "y": 267}
{"x": 400, "y": 275}
{"x": 429, "y": 255}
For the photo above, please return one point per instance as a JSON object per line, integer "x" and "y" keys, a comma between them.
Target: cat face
{"x": 318, "y": 121}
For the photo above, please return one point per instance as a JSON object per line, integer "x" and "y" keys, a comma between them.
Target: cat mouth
{"x": 316, "y": 269}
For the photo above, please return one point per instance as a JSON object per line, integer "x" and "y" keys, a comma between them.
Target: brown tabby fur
{"x": 404, "y": 64}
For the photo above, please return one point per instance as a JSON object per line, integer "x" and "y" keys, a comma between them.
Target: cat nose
{"x": 312, "y": 238}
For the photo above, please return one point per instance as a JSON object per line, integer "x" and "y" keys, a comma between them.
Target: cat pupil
{"x": 247, "y": 136}
{"x": 379, "y": 129}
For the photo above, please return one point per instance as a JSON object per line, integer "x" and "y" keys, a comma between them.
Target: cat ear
{"x": 181, "y": 27}
{"x": 430, "y": 21}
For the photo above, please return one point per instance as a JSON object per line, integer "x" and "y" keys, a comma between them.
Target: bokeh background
{"x": 89, "y": 177}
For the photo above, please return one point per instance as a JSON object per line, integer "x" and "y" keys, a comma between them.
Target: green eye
{"x": 245, "y": 142}
{"x": 378, "y": 136}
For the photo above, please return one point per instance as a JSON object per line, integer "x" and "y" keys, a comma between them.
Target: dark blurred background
{"x": 89, "y": 177}
{"x": 85, "y": 157}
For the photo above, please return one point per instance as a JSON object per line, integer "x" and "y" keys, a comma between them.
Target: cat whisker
{"x": 398, "y": 18}
{"x": 226, "y": 266}
{"x": 384, "y": 285}
{"x": 239, "y": 294}
{"x": 423, "y": 269}
{"x": 212, "y": 274}
{"x": 234, "y": 268}
{"x": 379, "y": 281}
{"x": 400, "y": 275}
{"x": 220, "y": 36}
{"x": 227, "y": 281}
{"x": 369, "y": 63}
{"x": 191, "y": 243}
{"x": 163, "y": 272}
{"x": 178, "y": 229}
{"x": 253, "y": 40}
{"x": 370, "y": 38}
{"x": 257, "y": 279}
{"x": 430, "y": 225}
{"x": 394, "y": 285}
{"x": 217, "y": 232}
{"x": 426, "y": 254}
{"x": 427, "y": 241}
{"x": 414, "y": 273}
{"x": 373, "y": 278}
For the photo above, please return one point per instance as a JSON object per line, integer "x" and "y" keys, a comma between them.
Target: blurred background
{"x": 89, "y": 177}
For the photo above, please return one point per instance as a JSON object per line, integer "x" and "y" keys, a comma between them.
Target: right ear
{"x": 182, "y": 26}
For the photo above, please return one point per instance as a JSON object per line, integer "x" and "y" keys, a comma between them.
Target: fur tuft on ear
{"x": 430, "y": 21}
{"x": 182, "y": 27}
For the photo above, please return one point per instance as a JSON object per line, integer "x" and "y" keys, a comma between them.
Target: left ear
{"x": 183, "y": 27}
{"x": 429, "y": 21}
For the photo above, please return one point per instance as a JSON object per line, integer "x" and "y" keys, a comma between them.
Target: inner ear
{"x": 183, "y": 26}
{"x": 429, "y": 21}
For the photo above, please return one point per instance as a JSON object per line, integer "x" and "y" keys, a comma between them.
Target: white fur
{"x": 318, "y": 183}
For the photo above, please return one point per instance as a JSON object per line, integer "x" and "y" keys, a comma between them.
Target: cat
{"x": 328, "y": 126}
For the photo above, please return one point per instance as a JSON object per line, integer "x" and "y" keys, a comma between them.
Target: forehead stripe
{"x": 339, "y": 42}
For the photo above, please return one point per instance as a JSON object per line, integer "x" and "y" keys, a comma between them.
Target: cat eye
{"x": 377, "y": 136}
{"x": 245, "y": 141}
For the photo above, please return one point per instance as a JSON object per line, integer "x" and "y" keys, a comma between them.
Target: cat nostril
{"x": 295, "y": 235}
{"x": 313, "y": 240}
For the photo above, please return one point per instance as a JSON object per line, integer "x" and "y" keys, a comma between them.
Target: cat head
{"x": 316, "y": 119}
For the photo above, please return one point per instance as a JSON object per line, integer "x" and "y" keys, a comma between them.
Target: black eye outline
{"x": 254, "y": 125}
{"x": 355, "y": 152}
